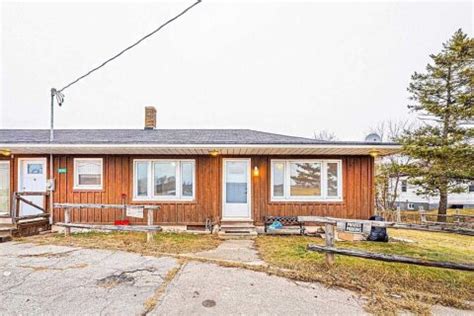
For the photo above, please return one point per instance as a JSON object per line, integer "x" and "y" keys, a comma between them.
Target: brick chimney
{"x": 150, "y": 117}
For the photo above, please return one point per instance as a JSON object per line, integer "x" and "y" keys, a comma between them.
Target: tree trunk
{"x": 443, "y": 204}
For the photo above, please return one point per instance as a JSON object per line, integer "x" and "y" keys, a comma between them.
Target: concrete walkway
{"x": 53, "y": 280}
{"x": 238, "y": 250}
{"x": 207, "y": 289}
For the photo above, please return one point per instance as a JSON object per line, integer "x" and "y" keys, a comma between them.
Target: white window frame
{"x": 287, "y": 181}
{"x": 150, "y": 185}
{"x": 78, "y": 186}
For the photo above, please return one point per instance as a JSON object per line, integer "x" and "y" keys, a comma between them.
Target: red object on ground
{"x": 122, "y": 222}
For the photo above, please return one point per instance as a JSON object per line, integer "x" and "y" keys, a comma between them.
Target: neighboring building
{"x": 407, "y": 198}
{"x": 222, "y": 175}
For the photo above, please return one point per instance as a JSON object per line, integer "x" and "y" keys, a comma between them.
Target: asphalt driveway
{"x": 38, "y": 279}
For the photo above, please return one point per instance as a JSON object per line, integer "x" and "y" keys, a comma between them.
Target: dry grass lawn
{"x": 173, "y": 243}
{"x": 431, "y": 215}
{"x": 388, "y": 287}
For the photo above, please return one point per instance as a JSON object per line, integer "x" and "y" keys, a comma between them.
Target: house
{"x": 222, "y": 175}
{"x": 408, "y": 199}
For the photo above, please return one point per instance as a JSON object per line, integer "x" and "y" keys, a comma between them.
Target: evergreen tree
{"x": 443, "y": 97}
{"x": 308, "y": 174}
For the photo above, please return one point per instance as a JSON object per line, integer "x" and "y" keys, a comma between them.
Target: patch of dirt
{"x": 121, "y": 278}
{"x": 44, "y": 268}
{"x": 48, "y": 254}
{"x": 153, "y": 300}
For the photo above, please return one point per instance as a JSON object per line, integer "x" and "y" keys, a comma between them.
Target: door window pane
{"x": 165, "y": 178}
{"x": 236, "y": 182}
{"x": 35, "y": 168}
{"x": 332, "y": 178}
{"x": 187, "y": 178}
{"x": 142, "y": 179}
{"x": 305, "y": 179}
{"x": 4, "y": 187}
{"x": 278, "y": 178}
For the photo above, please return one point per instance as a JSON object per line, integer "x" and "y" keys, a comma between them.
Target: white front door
{"x": 236, "y": 187}
{"x": 32, "y": 178}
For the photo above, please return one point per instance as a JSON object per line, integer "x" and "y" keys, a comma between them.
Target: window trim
{"x": 287, "y": 181}
{"x": 78, "y": 186}
{"x": 150, "y": 173}
{"x": 404, "y": 186}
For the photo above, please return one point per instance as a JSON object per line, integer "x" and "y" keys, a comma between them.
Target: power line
{"x": 131, "y": 46}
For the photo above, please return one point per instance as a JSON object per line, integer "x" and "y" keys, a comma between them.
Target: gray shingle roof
{"x": 157, "y": 136}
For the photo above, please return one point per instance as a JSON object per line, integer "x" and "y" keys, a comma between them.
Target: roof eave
{"x": 202, "y": 149}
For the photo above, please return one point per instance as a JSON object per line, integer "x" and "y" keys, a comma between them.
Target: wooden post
{"x": 149, "y": 218}
{"x": 17, "y": 206}
{"x": 457, "y": 217}
{"x": 67, "y": 220}
{"x": 399, "y": 215}
{"x": 329, "y": 234}
{"x": 422, "y": 216}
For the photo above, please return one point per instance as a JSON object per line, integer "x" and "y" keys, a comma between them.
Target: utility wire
{"x": 131, "y": 46}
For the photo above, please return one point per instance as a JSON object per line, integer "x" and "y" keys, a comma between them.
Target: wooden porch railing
{"x": 150, "y": 229}
{"x": 19, "y": 197}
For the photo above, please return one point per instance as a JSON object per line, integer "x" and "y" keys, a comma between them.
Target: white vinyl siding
{"x": 306, "y": 180}
{"x": 88, "y": 173}
{"x": 163, "y": 180}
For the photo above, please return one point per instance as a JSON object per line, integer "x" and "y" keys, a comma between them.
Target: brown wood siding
{"x": 357, "y": 173}
{"x": 118, "y": 177}
{"x": 358, "y": 201}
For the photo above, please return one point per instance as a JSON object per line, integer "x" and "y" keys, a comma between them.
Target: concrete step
{"x": 241, "y": 226}
{"x": 6, "y": 232}
{"x": 239, "y": 229}
{"x": 237, "y": 235}
{"x": 6, "y": 220}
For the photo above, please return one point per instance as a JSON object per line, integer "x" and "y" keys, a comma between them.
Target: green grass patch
{"x": 174, "y": 243}
{"x": 388, "y": 287}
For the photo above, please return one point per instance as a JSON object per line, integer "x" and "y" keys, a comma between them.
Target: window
{"x": 306, "y": 180}
{"x": 4, "y": 186}
{"x": 163, "y": 179}
{"x": 404, "y": 185}
{"x": 88, "y": 173}
{"x": 471, "y": 187}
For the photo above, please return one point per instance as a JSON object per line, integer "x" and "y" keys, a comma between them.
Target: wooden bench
{"x": 291, "y": 225}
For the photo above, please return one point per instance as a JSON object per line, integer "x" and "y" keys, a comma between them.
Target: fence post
{"x": 422, "y": 216}
{"x": 329, "y": 234}
{"x": 67, "y": 220}
{"x": 399, "y": 215}
{"x": 149, "y": 218}
{"x": 457, "y": 217}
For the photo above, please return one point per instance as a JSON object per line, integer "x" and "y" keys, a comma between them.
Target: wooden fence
{"x": 330, "y": 249}
{"x": 150, "y": 229}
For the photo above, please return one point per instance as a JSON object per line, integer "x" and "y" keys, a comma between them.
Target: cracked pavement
{"x": 51, "y": 280}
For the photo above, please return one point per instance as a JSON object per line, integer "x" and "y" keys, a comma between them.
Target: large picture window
{"x": 306, "y": 180}
{"x": 88, "y": 173}
{"x": 163, "y": 179}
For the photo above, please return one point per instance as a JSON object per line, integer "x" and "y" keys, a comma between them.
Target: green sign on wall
{"x": 62, "y": 170}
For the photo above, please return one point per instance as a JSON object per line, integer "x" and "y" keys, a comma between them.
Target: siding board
{"x": 357, "y": 175}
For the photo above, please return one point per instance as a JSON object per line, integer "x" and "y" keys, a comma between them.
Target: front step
{"x": 5, "y": 219}
{"x": 6, "y": 232}
{"x": 244, "y": 229}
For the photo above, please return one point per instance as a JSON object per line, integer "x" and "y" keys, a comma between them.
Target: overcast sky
{"x": 284, "y": 67}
